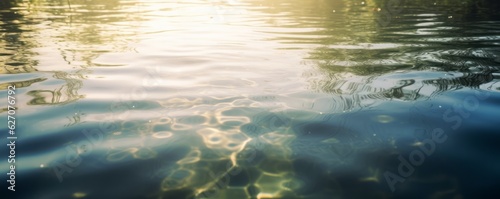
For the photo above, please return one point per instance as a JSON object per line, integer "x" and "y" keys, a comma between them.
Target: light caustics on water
{"x": 250, "y": 98}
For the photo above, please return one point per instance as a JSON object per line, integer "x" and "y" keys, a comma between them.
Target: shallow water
{"x": 252, "y": 99}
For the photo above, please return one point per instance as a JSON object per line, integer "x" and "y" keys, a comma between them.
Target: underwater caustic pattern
{"x": 251, "y": 98}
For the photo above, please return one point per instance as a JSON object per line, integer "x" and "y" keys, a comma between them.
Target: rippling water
{"x": 252, "y": 98}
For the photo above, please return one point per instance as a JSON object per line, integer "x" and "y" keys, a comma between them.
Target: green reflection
{"x": 21, "y": 84}
{"x": 64, "y": 94}
{"x": 80, "y": 30}
{"x": 360, "y": 43}
{"x": 16, "y": 40}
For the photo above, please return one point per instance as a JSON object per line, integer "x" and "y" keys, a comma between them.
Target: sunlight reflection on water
{"x": 250, "y": 99}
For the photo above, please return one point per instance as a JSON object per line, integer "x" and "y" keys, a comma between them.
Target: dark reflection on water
{"x": 253, "y": 99}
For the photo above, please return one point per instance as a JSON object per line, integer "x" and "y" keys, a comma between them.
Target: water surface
{"x": 253, "y": 99}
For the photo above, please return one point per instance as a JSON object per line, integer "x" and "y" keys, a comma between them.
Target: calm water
{"x": 252, "y": 98}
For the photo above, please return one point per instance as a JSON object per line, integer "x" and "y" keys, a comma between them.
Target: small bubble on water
{"x": 42, "y": 165}
{"x": 384, "y": 118}
{"x": 333, "y": 10}
{"x": 449, "y": 17}
{"x": 82, "y": 149}
{"x": 79, "y": 195}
